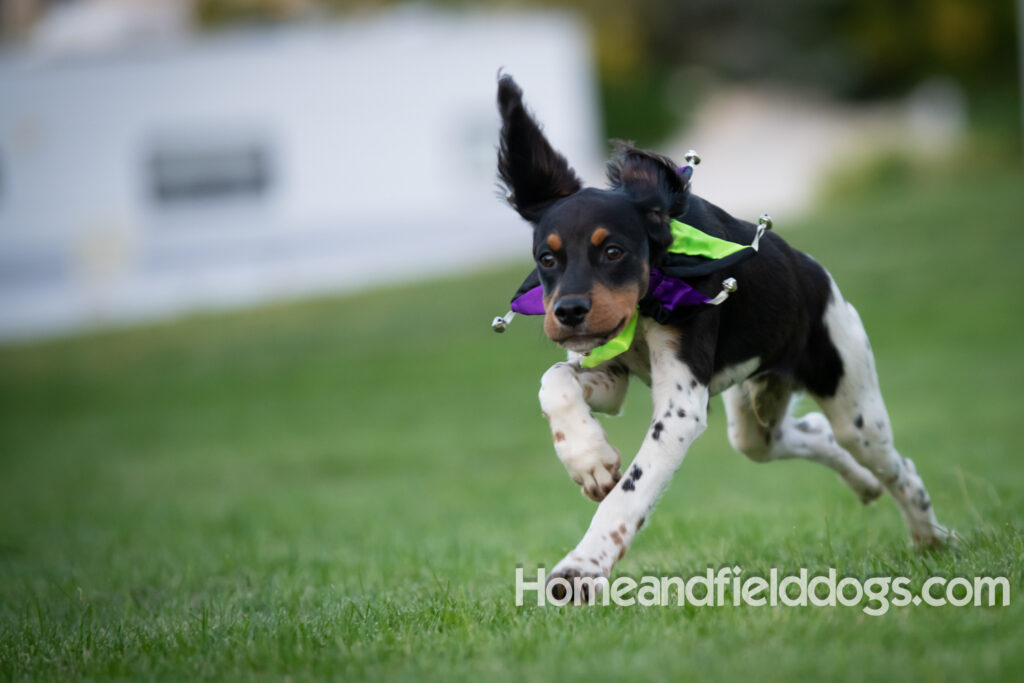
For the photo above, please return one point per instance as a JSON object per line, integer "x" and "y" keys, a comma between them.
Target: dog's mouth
{"x": 583, "y": 343}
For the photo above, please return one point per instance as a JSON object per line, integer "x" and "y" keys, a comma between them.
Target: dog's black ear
{"x": 533, "y": 173}
{"x": 654, "y": 183}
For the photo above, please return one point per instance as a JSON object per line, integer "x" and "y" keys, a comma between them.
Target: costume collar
{"x": 693, "y": 253}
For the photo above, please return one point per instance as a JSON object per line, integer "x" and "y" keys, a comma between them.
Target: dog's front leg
{"x": 680, "y": 416}
{"x": 567, "y": 395}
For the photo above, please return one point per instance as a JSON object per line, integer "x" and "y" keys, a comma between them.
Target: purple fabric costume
{"x": 668, "y": 291}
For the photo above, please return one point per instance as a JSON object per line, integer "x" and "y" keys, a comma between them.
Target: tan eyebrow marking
{"x": 554, "y": 241}
{"x": 598, "y": 236}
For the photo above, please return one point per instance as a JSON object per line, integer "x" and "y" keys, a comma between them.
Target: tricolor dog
{"x": 629, "y": 280}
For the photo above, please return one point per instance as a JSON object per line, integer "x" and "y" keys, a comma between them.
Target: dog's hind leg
{"x": 762, "y": 428}
{"x": 861, "y": 423}
{"x": 567, "y": 395}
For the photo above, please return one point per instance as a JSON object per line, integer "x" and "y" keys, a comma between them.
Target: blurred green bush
{"x": 651, "y": 53}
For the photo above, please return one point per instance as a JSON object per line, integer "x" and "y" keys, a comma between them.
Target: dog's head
{"x": 594, "y": 248}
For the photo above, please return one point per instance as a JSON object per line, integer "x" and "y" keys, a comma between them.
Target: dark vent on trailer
{"x": 184, "y": 174}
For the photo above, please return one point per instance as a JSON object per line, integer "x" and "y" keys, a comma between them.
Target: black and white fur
{"x": 788, "y": 329}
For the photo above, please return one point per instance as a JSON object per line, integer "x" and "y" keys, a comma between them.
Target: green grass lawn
{"x": 344, "y": 487}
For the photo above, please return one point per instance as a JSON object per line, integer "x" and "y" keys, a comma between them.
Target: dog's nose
{"x": 571, "y": 311}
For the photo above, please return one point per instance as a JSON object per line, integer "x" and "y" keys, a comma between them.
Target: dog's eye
{"x": 613, "y": 253}
{"x": 547, "y": 260}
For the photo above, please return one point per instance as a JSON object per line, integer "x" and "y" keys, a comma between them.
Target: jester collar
{"x": 693, "y": 254}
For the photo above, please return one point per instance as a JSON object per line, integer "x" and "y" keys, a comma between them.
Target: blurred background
{"x": 163, "y": 156}
{"x": 304, "y": 453}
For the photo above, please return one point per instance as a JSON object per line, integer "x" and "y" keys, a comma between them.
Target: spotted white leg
{"x": 762, "y": 427}
{"x": 567, "y": 395}
{"x": 861, "y": 424}
{"x": 680, "y": 416}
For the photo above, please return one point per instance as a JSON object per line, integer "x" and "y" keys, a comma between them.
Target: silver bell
{"x": 729, "y": 286}
{"x": 764, "y": 222}
{"x": 500, "y": 323}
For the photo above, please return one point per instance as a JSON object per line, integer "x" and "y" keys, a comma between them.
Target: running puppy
{"x": 605, "y": 259}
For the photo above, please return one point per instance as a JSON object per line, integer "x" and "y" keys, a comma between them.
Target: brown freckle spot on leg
{"x": 616, "y": 538}
{"x": 559, "y": 436}
{"x": 554, "y": 241}
{"x": 588, "y": 391}
{"x": 621, "y": 553}
{"x": 595, "y": 562}
{"x": 640, "y": 523}
{"x": 598, "y": 236}
{"x": 622, "y": 529}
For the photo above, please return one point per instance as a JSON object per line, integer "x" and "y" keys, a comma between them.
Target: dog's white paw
{"x": 584, "y": 579}
{"x": 859, "y": 478}
{"x": 934, "y": 537}
{"x": 595, "y": 467}
{"x": 864, "y": 484}
{"x": 916, "y": 507}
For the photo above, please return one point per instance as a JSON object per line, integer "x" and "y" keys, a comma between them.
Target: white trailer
{"x": 244, "y": 167}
